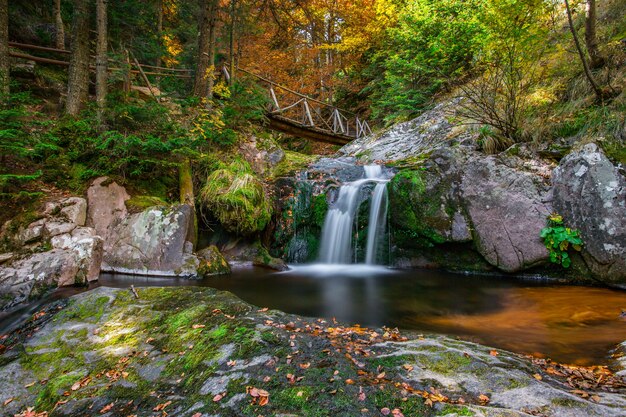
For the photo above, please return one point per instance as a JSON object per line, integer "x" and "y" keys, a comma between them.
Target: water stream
{"x": 337, "y": 241}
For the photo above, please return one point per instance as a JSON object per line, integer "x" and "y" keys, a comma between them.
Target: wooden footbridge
{"x": 289, "y": 111}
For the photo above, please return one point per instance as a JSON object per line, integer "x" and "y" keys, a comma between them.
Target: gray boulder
{"x": 507, "y": 208}
{"x": 156, "y": 241}
{"x": 56, "y": 251}
{"x": 590, "y": 194}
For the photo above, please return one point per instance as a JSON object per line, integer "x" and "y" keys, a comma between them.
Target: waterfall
{"x": 336, "y": 241}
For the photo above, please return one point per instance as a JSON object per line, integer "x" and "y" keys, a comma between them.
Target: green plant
{"x": 558, "y": 240}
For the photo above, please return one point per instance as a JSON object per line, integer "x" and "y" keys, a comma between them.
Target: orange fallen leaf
{"x": 349, "y": 381}
{"x": 198, "y": 326}
{"x": 483, "y": 399}
{"x": 107, "y": 408}
{"x": 537, "y": 377}
{"x": 305, "y": 365}
{"x": 493, "y": 352}
{"x": 161, "y": 407}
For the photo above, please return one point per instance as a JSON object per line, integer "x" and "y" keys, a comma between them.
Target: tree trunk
{"x": 185, "y": 181}
{"x": 58, "y": 26}
{"x": 101, "y": 57}
{"x": 78, "y": 73}
{"x": 212, "y": 46}
{"x": 159, "y": 34}
{"x": 231, "y": 53}
{"x": 5, "y": 64}
{"x": 596, "y": 60}
{"x": 204, "y": 79}
{"x": 200, "y": 84}
{"x": 581, "y": 54}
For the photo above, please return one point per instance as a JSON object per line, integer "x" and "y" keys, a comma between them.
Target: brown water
{"x": 571, "y": 324}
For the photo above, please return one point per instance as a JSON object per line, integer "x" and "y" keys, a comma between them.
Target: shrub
{"x": 558, "y": 239}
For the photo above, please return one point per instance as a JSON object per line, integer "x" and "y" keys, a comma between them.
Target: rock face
{"x": 461, "y": 197}
{"x": 198, "y": 351}
{"x": 590, "y": 194}
{"x": 153, "y": 242}
{"x": 261, "y": 153}
{"x": 55, "y": 250}
{"x": 106, "y": 200}
{"x": 507, "y": 209}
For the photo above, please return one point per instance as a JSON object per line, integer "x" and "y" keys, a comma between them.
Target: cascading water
{"x": 336, "y": 241}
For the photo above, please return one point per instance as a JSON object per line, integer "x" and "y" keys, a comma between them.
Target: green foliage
{"x": 558, "y": 240}
{"x": 432, "y": 41}
{"x": 220, "y": 120}
{"x": 237, "y": 198}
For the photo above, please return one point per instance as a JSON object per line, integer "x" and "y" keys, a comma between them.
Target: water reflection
{"x": 569, "y": 324}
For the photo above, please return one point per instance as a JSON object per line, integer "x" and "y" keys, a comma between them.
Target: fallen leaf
{"x": 538, "y": 377}
{"x": 483, "y": 399}
{"x": 30, "y": 385}
{"x": 8, "y": 401}
{"x": 198, "y": 326}
{"x": 263, "y": 310}
{"x": 161, "y": 407}
{"x": 380, "y": 375}
{"x": 493, "y": 352}
{"x": 218, "y": 397}
{"x": 408, "y": 367}
{"x": 349, "y": 381}
{"x": 385, "y": 411}
{"x": 107, "y": 408}
{"x": 396, "y": 413}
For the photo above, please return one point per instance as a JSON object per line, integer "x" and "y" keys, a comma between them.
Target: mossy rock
{"x": 139, "y": 203}
{"x": 212, "y": 262}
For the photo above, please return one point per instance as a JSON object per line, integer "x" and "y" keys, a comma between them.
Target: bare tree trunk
{"x": 101, "y": 57}
{"x": 581, "y": 54}
{"x": 591, "y": 39}
{"x": 5, "y": 64}
{"x": 59, "y": 28}
{"x": 200, "y": 84}
{"x": 159, "y": 34}
{"x": 78, "y": 73}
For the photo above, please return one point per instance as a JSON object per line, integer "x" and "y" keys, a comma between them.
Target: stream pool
{"x": 571, "y": 324}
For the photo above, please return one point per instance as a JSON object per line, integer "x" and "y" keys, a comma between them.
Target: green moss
{"x": 237, "y": 198}
{"x": 89, "y": 310}
{"x": 291, "y": 163}
{"x": 565, "y": 402}
{"x": 390, "y": 362}
{"x": 54, "y": 389}
{"x": 320, "y": 208}
{"x": 139, "y": 203}
{"x": 455, "y": 409}
{"x": 445, "y": 363}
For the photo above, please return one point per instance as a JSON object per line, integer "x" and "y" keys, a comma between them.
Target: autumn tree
{"x": 4, "y": 47}
{"x": 78, "y": 73}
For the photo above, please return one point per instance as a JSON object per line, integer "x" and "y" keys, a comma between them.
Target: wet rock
{"x": 245, "y": 254}
{"x": 212, "y": 262}
{"x": 590, "y": 194}
{"x": 220, "y": 345}
{"x": 153, "y": 242}
{"x": 106, "y": 205}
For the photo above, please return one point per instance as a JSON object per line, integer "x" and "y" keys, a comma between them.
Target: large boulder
{"x": 56, "y": 250}
{"x": 590, "y": 194}
{"x": 507, "y": 209}
{"x": 106, "y": 205}
{"x": 156, "y": 241}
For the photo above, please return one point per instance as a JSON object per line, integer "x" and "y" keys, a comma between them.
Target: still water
{"x": 571, "y": 324}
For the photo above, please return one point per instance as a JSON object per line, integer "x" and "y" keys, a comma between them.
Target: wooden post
{"x": 274, "y": 99}
{"x": 127, "y": 67}
{"x": 145, "y": 78}
{"x": 307, "y": 112}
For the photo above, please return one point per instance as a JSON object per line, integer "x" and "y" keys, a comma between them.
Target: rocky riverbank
{"x": 201, "y": 352}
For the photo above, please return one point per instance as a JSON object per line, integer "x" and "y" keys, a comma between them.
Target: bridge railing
{"x": 311, "y": 113}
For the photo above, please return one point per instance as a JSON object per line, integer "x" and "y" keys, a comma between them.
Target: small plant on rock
{"x": 558, "y": 239}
